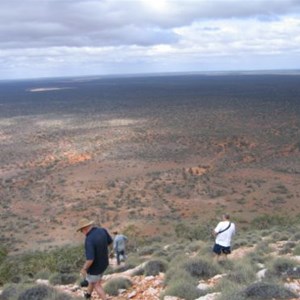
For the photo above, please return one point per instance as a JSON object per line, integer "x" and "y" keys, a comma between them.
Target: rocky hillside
{"x": 263, "y": 265}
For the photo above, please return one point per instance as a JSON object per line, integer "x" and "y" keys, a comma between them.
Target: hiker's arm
{"x": 85, "y": 267}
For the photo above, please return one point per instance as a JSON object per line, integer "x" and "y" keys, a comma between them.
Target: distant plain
{"x": 146, "y": 152}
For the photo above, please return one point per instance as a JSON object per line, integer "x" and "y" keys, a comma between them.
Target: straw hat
{"x": 84, "y": 223}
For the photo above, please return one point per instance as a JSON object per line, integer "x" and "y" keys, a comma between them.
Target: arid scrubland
{"x": 145, "y": 154}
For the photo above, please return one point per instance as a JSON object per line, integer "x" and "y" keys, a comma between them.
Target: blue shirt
{"x": 120, "y": 242}
{"x": 96, "y": 248}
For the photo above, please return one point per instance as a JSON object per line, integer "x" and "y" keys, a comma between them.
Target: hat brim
{"x": 85, "y": 225}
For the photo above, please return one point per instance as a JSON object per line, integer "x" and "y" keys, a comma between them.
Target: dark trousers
{"x": 119, "y": 253}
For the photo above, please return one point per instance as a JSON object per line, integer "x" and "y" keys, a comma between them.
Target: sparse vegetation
{"x": 140, "y": 156}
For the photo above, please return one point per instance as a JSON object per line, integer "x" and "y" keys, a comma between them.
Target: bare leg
{"x": 217, "y": 257}
{"x": 99, "y": 290}
{"x": 90, "y": 288}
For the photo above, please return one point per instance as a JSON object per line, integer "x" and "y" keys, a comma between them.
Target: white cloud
{"x": 75, "y": 37}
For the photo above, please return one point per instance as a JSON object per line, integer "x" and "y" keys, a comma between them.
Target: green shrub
{"x": 280, "y": 267}
{"x": 287, "y": 248}
{"x": 267, "y": 221}
{"x": 266, "y": 291}
{"x": 113, "y": 286}
{"x": 296, "y": 237}
{"x": 229, "y": 290}
{"x": 148, "y": 250}
{"x": 36, "y": 292}
{"x": 297, "y": 250}
{"x": 28, "y": 264}
{"x": 198, "y": 232}
{"x": 195, "y": 246}
{"x": 183, "y": 289}
{"x": 10, "y": 291}
{"x": 160, "y": 253}
{"x": 243, "y": 272}
{"x": 263, "y": 248}
{"x": 43, "y": 274}
{"x": 3, "y": 253}
{"x": 241, "y": 242}
{"x": 200, "y": 268}
{"x": 154, "y": 267}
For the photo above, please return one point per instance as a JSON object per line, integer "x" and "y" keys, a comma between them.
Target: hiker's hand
{"x": 83, "y": 272}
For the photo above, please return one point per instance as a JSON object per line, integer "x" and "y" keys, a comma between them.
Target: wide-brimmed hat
{"x": 84, "y": 223}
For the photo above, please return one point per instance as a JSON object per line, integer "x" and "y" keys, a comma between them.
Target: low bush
{"x": 147, "y": 250}
{"x": 297, "y": 250}
{"x": 183, "y": 289}
{"x": 296, "y": 237}
{"x": 280, "y": 267}
{"x": 229, "y": 290}
{"x": 10, "y": 291}
{"x": 266, "y": 291}
{"x": 177, "y": 273}
{"x": 200, "y": 268}
{"x": 243, "y": 272}
{"x": 3, "y": 253}
{"x": 113, "y": 286}
{"x": 154, "y": 267}
{"x": 287, "y": 248}
{"x": 36, "y": 292}
{"x": 43, "y": 274}
{"x": 267, "y": 221}
{"x": 64, "y": 260}
{"x": 263, "y": 248}
{"x": 195, "y": 246}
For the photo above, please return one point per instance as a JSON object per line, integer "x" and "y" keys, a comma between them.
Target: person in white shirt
{"x": 223, "y": 232}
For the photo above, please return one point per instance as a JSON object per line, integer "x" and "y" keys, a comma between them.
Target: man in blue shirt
{"x": 97, "y": 241}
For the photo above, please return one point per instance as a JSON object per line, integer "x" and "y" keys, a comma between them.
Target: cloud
{"x": 141, "y": 35}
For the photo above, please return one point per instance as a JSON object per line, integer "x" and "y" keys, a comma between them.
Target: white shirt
{"x": 224, "y": 238}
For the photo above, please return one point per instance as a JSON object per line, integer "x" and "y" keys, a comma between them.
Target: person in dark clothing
{"x": 97, "y": 241}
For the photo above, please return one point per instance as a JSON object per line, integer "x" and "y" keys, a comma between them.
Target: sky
{"x": 51, "y": 38}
